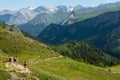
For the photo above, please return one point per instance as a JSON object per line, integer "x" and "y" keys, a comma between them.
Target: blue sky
{"x": 17, "y": 4}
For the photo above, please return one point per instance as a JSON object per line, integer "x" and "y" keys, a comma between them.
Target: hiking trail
{"x": 47, "y": 59}
{"x": 13, "y": 76}
{"x": 19, "y": 69}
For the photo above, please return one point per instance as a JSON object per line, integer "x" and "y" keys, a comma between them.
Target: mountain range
{"x": 34, "y": 20}
{"x": 26, "y": 14}
{"x": 76, "y": 14}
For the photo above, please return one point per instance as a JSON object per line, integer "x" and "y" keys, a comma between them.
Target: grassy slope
{"x": 67, "y": 69}
{"x": 14, "y": 44}
{"x": 56, "y": 69}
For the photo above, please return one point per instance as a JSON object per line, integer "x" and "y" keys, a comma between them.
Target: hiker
{"x": 15, "y": 59}
{"x": 25, "y": 65}
{"x": 10, "y": 60}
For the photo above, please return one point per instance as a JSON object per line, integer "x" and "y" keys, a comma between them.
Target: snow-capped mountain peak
{"x": 31, "y": 8}
{"x": 70, "y": 8}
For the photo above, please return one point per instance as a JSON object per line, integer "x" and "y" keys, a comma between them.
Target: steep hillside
{"x": 41, "y": 21}
{"x": 82, "y": 30}
{"x": 87, "y": 53}
{"x": 14, "y": 44}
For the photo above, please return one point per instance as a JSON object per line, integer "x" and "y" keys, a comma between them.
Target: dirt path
{"x": 47, "y": 59}
{"x": 19, "y": 67}
{"x": 13, "y": 76}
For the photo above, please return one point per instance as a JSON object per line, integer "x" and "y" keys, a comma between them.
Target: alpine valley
{"x": 61, "y": 43}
